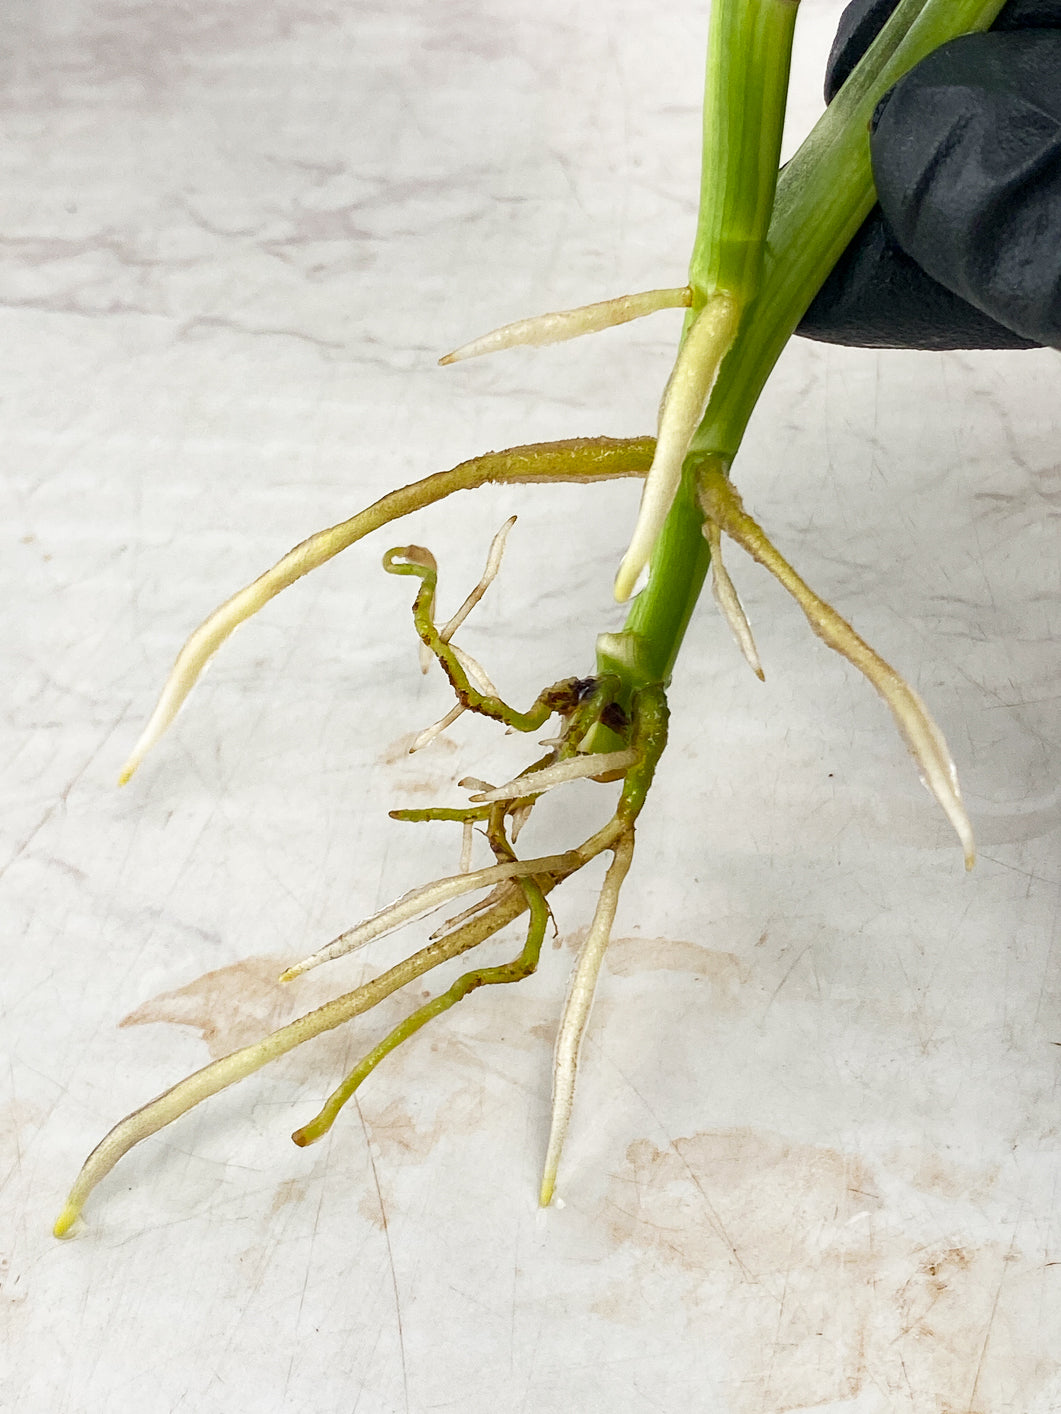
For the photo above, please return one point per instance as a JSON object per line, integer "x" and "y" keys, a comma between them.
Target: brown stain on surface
{"x": 230, "y": 1007}
{"x": 235, "y": 1006}
{"x": 792, "y": 1264}
{"x": 422, "y": 774}
{"x": 627, "y": 956}
{"x": 932, "y": 1174}
{"x": 395, "y": 1131}
{"x": 397, "y": 751}
{"x": 292, "y": 1190}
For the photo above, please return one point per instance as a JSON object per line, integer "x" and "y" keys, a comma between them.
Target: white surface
{"x": 815, "y": 1157}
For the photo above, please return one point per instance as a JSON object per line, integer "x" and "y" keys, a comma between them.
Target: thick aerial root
{"x": 227, "y": 1070}
{"x": 722, "y": 504}
{"x": 514, "y": 971}
{"x": 707, "y": 342}
{"x": 577, "y": 1009}
{"x": 562, "y": 324}
{"x": 516, "y": 886}
{"x": 579, "y": 459}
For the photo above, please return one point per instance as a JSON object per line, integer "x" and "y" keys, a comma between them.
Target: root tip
{"x": 624, "y": 582}
{"x": 65, "y": 1221}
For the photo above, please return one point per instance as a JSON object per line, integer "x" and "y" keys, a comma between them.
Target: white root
{"x": 480, "y": 906}
{"x": 722, "y": 504}
{"x": 493, "y": 564}
{"x": 170, "y": 1105}
{"x": 476, "y": 672}
{"x": 562, "y": 324}
{"x": 577, "y": 1009}
{"x": 428, "y": 735}
{"x": 425, "y": 899}
{"x": 684, "y": 400}
{"x": 473, "y": 783}
{"x": 548, "y": 777}
{"x": 729, "y": 604}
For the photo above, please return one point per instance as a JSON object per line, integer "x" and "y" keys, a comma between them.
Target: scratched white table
{"x": 815, "y": 1158}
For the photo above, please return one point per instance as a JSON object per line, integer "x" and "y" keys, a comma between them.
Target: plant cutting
{"x": 764, "y": 243}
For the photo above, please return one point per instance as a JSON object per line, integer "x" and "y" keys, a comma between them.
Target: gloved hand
{"x": 964, "y": 250}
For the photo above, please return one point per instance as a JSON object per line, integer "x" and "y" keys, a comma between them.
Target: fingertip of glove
{"x": 859, "y": 26}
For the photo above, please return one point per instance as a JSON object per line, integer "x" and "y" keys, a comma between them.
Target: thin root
{"x": 577, "y": 1010}
{"x": 514, "y": 971}
{"x": 728, "y": 601}
{"x": 490, "y": 572}
{"x": 428, "y": 735}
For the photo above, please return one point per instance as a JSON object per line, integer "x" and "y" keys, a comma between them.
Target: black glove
{"x": 964, "y": 250}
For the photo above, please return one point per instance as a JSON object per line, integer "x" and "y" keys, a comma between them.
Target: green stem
{"x": 749, "y": 48}
{"x": 748, "y": 53}
{"x": 823, "y": 196}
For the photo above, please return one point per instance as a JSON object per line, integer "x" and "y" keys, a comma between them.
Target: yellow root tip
{"x": 65, "y": 1221}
